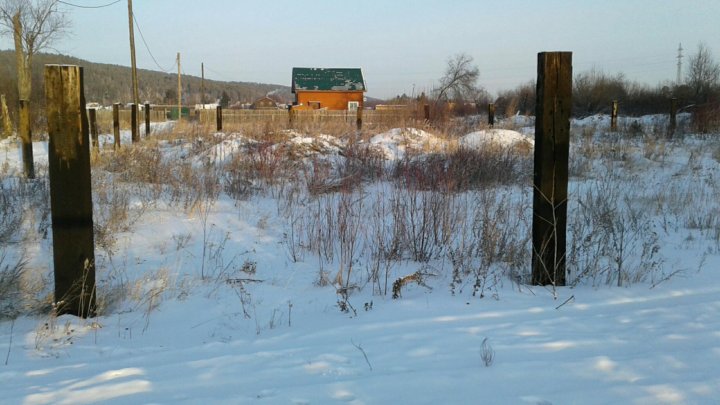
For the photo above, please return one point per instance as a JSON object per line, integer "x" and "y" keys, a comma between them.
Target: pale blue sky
{"x": 400, "y": 45}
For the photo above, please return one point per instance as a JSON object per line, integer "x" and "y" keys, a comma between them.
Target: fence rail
{"x": 369, "y": 117}
{"x": 232, "y": 118}
{"x": 105, "y": 118}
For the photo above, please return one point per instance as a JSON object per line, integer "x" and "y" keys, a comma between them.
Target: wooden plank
{"x": 92, "y": 117}
{"x": 552, "y": 139}
{"x": 134, "y": 123}
{"x": 116, "y": 124}
{"x": 147, "y": 119}
{"x": 25, "y": 133}
{"x": 70, "y": 191}
{"x": 673, "y": 117}
{"x": 614, "y": 116}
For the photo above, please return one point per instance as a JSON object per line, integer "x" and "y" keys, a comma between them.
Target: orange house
{"x": 332, "y": 89}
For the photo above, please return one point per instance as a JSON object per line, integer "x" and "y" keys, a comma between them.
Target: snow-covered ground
{"x": 260, "y": 329}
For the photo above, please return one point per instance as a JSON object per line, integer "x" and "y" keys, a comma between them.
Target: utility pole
{"x": 136, "y": 97}
{"x": 679, "y": 64}
{"x": 179, "y": 89}
{"x": 202, "y": 84}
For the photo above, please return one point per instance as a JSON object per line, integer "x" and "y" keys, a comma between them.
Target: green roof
{"x": 331, "y": 79}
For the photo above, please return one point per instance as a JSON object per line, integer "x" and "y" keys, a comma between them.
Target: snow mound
{"x": 395, "y": 143}
{"x": 225, "y": 150}
{"x": 501, "y": 137}
{"x": 597, "y": 120}
{"x": 306, "y": 146}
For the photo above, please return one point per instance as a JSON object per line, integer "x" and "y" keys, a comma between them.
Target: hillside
{"x": 106, "y": 84}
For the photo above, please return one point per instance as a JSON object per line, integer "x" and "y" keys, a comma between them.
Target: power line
{"x": 79, "y": 6}
{"x": 148, "y": 48}
{"x": 223, "y": 76}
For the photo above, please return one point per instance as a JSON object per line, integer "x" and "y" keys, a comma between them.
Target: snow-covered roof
{"x": 328, "y": 79}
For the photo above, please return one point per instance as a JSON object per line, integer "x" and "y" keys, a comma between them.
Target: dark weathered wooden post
{"x": 614, "y": 116}
{"x": 70, "y": 193}
{"x": 673, "y": 116}
{"x": 147, "y": 119}
{"x": 25, "y": 133}
{"x": 134, "y": 123}
{"x": 92, "y": 117}
{"x": 426, "y": 110}
{"x": 218, "y": 117}
{"x": 291, "y": 117}
{"x": 116, "y": 124}
{"x": 359, "y": 118}
{"x": 491, "y": 114}
{"x": 552, "y": 136}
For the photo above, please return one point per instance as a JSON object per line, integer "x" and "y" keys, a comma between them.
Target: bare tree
{"x": 34, "y": 25}
{"x": 703, "y": 73}
{"x": 460, "y": 79}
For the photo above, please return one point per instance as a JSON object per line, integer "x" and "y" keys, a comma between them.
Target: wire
{"x": 223, "y": 76}
{"x": 79, "y": 6}
{"x": 148, "y": 48}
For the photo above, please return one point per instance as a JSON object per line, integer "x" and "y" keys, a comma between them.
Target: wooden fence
{"x": 370, "y": 118}
{"x": 236, "y": 118}
{"x": 105, "y": 118}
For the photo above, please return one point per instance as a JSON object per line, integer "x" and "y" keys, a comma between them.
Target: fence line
{"x": 232, "y": 118}
{"x": 105, "y": 118}
{"x": 370, "y": 117}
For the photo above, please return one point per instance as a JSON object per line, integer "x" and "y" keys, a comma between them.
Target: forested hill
{"x": 107, "y": 84}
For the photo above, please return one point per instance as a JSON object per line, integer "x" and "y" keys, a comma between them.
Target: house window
{"x": 353, "y": 105}
{"x": 315, "y": 105}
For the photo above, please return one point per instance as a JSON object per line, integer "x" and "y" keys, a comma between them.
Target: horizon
{"x": 401, "y": 49}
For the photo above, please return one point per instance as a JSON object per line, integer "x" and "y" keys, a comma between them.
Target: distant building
{"x": 265, "y": 103}
{"x": 209, "y": 106}
{"x": 332, "y": 88}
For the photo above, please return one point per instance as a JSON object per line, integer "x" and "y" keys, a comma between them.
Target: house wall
{"x": 332, "y": 100}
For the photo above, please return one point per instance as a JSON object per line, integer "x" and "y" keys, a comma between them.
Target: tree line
{"x": 593, "y": 90}
{"x": 107, "y": 84}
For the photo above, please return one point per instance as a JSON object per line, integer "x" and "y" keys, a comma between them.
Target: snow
{"x": 395, "y": 143}
{"x": 499, "y": 137}
{"x": 259, "y": 329}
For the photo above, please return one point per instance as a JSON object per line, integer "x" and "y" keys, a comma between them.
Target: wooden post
{"x": 673, "y": 117}
{"x": 552, "y": 136}
{"x": 179, "y": 91}
{"x": 147, "y": 119}
{"x": 134, "y": 123}
{"x": 426, "y": 109}
{"x": 614, "y": 116}
{"x": 70, "y": 191}
{"x": 359, "y": 119}
{"x": 133, "y": 64}
{"x": 25, "y": 133}
{"x": 116, "y": 124}
{"x": 491, "y": 115}
{"x": 92, "y": 116}
{"x": 202, "y": 84}
{"x": 6, "y": 129}
{"x": 291, "y": 117}
{"x": 218, "y": 117}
